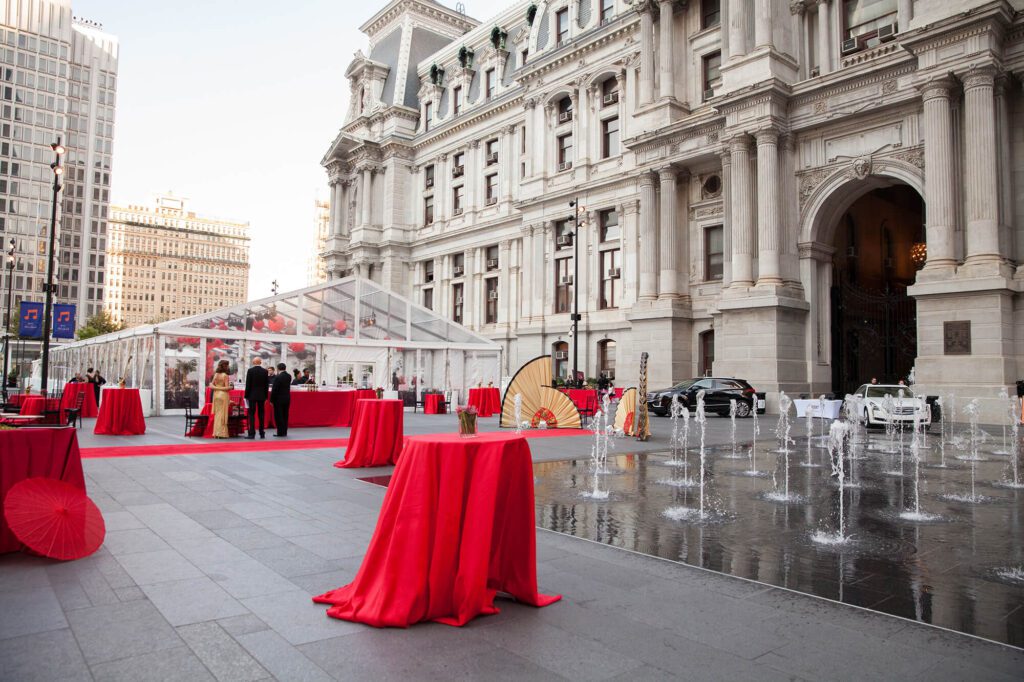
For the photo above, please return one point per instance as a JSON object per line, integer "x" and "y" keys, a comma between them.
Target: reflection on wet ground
{"x": 961, "y": 570}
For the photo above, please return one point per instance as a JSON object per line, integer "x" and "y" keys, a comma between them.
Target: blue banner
{"x": 64, "y": 320}
{"x": 31, "y": 324}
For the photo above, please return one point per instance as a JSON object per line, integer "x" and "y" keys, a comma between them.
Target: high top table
{"x": 456, "y": 527}
{"x": 70, "y": 396}
{"x": 487, "y": 401}
{"x": 376, "y": 436}
{"x": 120, "y": 413}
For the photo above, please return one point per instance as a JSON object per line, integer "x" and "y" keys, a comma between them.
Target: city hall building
{"x": 805, "y": 194}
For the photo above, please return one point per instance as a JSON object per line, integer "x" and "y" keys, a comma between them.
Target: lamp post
{"x": 58, "y": 169}
{"x": 7, "y": 320}
{"x": 575, "y": 203}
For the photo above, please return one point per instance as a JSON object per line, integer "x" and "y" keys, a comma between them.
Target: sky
{"x": 232, "y": 104}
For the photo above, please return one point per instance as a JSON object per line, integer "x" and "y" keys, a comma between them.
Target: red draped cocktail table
{"x": 376, "y": 436}
{"x": 485, "y": 400}
{"x": 120, "y": 413}
{"x": 456, "y": 527}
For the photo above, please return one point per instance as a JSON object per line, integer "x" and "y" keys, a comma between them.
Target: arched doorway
{"x": 707, "y": 353}
{"x": 879, "y": 246}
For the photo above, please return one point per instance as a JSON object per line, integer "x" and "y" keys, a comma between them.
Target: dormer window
{"x": 562, "y": 26}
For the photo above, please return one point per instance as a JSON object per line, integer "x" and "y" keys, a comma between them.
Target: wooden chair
{"x": 194, "y": 420}
{"x": 74, "y": 413}
{"x": 237, "y": 420}
{"x": 51, "y": 416}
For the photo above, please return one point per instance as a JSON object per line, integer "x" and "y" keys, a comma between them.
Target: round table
{"x": 456, "y": 527}
{"x": 485, "y": 400}
{"x": 120, "y": 413}
{"x": 37, "y": 405}
{"x": 70, "y": 397}
{"x": 376, "y": 436}
{"x": 433, "y": 403}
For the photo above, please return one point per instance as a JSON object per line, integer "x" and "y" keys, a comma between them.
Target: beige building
{"x": 756, "y": 176}
{"x": 316, "y": 266}
{"x": 166, "y": 262}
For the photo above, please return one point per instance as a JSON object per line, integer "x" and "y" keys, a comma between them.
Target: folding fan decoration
{"x": 625, "y": 413}
{"x": 540, "y": 402}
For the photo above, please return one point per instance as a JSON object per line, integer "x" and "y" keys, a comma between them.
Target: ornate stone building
{"x": 755, "y": 177}
{"x": 316, "y": 266}
{"x": 166, "y": 262}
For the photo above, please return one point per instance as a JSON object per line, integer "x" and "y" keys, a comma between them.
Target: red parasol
{"x": 54, "y": 518}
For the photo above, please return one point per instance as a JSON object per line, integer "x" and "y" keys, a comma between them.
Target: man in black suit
{"x": 281, "y": 399}
{"x": 256, "y": 385}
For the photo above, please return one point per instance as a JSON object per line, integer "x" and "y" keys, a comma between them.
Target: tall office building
{"x": 166, "y": 262}
{"x": 59, "y": 78}
{"x": 316, "y": 266}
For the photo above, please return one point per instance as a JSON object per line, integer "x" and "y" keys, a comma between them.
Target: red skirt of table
{"x": 485, "y": 400}
{"x": 18, "y": 399}
{"x": 36, "y": 404}
{"x": 433, "y": 403}
{"x": 456, "y": 527}
{"x": 70, "y": 397}
{"x": 235, "y": 395}
{"x": 376, "y": 436}
{"x": 28, "y": 453}
{"x": 120, "y": 413}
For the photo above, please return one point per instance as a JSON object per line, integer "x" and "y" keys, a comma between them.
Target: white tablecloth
{"x": 832, "y": 408}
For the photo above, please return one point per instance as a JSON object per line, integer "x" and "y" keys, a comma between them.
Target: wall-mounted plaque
{"x": 956, "y": 337}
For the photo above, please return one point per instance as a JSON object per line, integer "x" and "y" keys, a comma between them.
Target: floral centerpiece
{"x": 467, "y": 420}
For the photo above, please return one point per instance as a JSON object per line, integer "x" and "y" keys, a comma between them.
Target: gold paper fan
{"x": 625, "y": 413}
{"x": 540, "y": 401}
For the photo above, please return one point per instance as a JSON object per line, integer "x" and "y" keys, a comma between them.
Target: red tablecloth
{"x": 376, "y": 436}
{"x": 34, "y": 404}
{"x": 485, "y": 400}
{"x": 70, "y": 397}
{"x": 19, "y": 398}
{"x": 234, "y": 395}
{"x": 27, "y": 453}
{"x": 316, "y": 408}
{"x": 456, "y": 526}
{"x": 433, "y": 403}
{"x": 583, "y": 398}
{"x": 120, "y": 413}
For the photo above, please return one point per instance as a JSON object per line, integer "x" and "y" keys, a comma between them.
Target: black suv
{"x": 718, "y": 391}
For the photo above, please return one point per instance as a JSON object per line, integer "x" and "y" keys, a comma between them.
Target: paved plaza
{"x": 210, "y": 562}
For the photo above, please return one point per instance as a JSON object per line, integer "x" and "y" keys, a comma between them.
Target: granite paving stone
{"x": 192, "y": 601}
{"x": 43, "y": 656}
{"x": 222, "y": 655}
{"x": 158, "y": 567}
{"x": 36, "y": 609}
{"x": 169, "y": 665}
{"x": 283, "y": 660}
{"x": 248, "y": 578}
{"x": 295, "y": 617}
{"x": 115, "y": 631}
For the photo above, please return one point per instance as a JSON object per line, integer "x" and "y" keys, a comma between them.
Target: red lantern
{"x": 275, "y": 325}
{"x": 290, "y": 324}
{"x": 311, "y": 327}
{"x": 297, "y": 347}
{"x": 341, "y": 325}
{"x": 258, "y": 324}
{"x": 222, "y": 325}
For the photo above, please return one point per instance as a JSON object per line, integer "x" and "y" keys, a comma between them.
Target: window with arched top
{"x": 560, "y": 359}
{"x": 706, "y": 364}
{"x": 606, "y": 358}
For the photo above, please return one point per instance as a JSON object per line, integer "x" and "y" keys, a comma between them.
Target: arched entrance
{"x": 878, "y": 250}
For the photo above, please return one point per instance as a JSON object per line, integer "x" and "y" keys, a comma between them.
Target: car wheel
{"x": 742, "y": 409}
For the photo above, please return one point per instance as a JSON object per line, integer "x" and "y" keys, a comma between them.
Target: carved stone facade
{"x": 715, "y": 163}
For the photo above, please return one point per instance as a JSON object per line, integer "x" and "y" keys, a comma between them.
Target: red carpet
{"x": 269, "y": 445}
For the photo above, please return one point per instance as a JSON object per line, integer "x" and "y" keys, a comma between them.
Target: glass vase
{"x": 467, "y": 425}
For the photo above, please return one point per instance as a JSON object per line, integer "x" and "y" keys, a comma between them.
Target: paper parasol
{"x": 54, "y": 518}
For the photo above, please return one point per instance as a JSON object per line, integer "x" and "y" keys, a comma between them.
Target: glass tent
{"x": 347, "y": 332}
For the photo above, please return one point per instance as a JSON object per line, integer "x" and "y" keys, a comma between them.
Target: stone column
{"x": 982, "y": 185}
{"x": 682, "y": 229}
{"x": 334, "y": 209}
{"x": 726, "y": 156}
{"x": 507, "y": 163}
{"x": 939, "y": 188}
{"x": 342, "y": 213}
{"x": 762, "y": 23}
{"x": 769, "y": 233}
{"x": 648, "y": 239}
{"x": 797, "y": 11}
{"x": 538, "y": 265}
{"x": 742, "y": 222}
{"x": 904, "y": 13}
{"x": 824, "y": 38}
{"x": 1004, "y": 168}
{"x": 737, "y": 28}
{"x": 620, "y": 80}
{"x": 504, "y": 288}
{"x": 470, "y": 177}
{"x": 666, "y": 71}
{"x": 646, "y": 55}
{"x": 667, "y": 245}
{"x": 367, "y": 198}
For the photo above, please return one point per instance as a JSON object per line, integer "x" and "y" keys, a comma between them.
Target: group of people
{"x": 260, "y": 383}
{"x": 92, "y": 376}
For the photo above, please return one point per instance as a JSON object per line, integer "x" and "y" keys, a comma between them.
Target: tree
{"x": 99, "y": 324}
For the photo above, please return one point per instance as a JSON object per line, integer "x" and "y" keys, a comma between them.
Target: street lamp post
{"x": 58, "y": 169}
{"x": 575, "y": 203}
{"x": 7, "y": 320}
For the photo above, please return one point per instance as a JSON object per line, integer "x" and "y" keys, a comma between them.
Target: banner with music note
{"x": 64, "y": 320}
{"x": 31, "y": 320}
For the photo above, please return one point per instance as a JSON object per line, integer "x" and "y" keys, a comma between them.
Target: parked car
{"x": 718, "y": 391}
{"x": 903, "y": 409}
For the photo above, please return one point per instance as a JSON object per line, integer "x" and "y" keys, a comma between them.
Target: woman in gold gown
{"x": 221, "y": 386}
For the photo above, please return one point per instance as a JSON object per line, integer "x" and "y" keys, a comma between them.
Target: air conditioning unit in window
{"x": 457, "y": 171}
{"x": 888, "y": 32}
{"x": 490, "y": 201}
{"x": 614, "y": 273}
{"x": 566, "y": 280}
{"x": 429, "y": 183}
{"x": 565, "y": 117}
{"x": 492, "y": 295}
{"x": 564, "y": 240}
{"x": 458, "y": 301}
{"x": 608, "y": 374}
{"x": 610, "y": 98}
{"x": 561, "y": 355}
{"x": 492, "y": 159}
{"x": 607, "y": 20}
{"x": 457, "y": 271}
{"x": 492, "y": 263}
{"x": 850, "y": 45}
{"x": 708, "y": 94}
{"x": 458, "y": 211}
{"x": 564, "y": 166}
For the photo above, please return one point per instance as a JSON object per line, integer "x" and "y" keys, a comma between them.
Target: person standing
{"x": 281, "y": 399}
{"x": 297, "y": 381}
{"x": 256, "y": 384}
{"x": 221, "y": 387}
{"x": 97, "y": 385}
